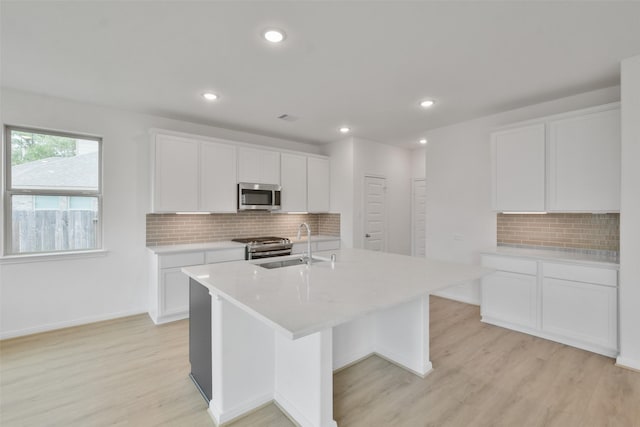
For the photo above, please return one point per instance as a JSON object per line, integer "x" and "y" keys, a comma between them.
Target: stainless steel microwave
{"x": 264, "y": 197}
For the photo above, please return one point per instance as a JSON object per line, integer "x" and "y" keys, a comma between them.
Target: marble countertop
{"x": 300, "y": 300}
{"x": 221, "y": 245}
{"x": 557, "y": 255}
{"x": 195, "y": 247}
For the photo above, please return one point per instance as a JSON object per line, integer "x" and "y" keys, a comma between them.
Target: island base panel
{"x": 399, "y": 334}
{"x": 242, "y": 360}
{"x": 200, "y": 337}
{"x": 304, "y": 378}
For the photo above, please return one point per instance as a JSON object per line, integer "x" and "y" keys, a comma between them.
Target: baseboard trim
{"x": 239, "y": 411}
{"x": 444, "y": 294}
{"x": 623, "y": 362}
{"x": 291, "y": 412}
{"x": 594, "y": 348}
{"x": 70, "y": 323}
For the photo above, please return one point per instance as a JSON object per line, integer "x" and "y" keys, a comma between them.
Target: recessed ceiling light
{"x": 210, "y": 96}
{"x": 344, "y": 129}
{"x": 423, "y": 141}
{"x": 274, "y": 35}
{"x": 427, "y": 103}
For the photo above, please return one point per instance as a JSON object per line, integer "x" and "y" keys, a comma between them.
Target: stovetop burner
{"x": 262, "y": 240}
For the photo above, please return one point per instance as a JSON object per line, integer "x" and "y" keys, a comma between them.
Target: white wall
{"x": 351, "y": 160}
{"x": 459, "y": 219}
{"x": 394, "y": 164}
{"x": 341, "y": 193}
{"x": 36, "y": 296}
{"x": 418, "y": 164}
{"x": 630, "y": 216}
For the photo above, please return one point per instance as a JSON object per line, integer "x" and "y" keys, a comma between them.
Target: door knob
{"x": 367, "y": 235}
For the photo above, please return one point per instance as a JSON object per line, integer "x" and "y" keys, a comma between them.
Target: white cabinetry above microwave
{"x": 191, "y": 175}
{"x": 564, "y": 163}
{"x": 258, "y": 166}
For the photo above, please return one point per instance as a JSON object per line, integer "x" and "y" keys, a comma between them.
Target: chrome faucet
{"x": 308, "y": 240}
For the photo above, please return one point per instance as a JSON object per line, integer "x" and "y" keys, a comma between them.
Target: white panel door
{"x": 176, "y": 179}
{"x": 519, "y": 169}
{"x": 293, "y": 177}
{"x": 218, "y": 191}
{"x": 584, "y": 162}
{"x": 419, "y": 217}
{"x": 318, "y": 184}
{"x": 511, "y": 298}
{"x": 375, "y": 214}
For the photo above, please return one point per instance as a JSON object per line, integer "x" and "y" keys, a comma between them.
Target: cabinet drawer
{"x": 516, "y": 265}
{"x": 181, "y": 260}
{"x": 235, "y": 254}
{"x": 579, "y": 273}
{"x": 328, "y": 245}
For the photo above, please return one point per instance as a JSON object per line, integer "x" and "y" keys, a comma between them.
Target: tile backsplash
{"x": 562, "y": 230}
{"x": 173, "y": 229}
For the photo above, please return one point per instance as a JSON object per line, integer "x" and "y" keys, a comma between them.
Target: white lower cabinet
{"x": 573, "y": 304}
{"x": 174, "y": 301}
{"x": 510, "y": 298}
{"x": 169, "y": 287}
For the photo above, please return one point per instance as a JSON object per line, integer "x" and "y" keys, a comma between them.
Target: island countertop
{"x": 300, "y": 300}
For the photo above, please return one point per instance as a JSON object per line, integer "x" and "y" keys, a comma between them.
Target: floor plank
{"x": 129, "y": 372}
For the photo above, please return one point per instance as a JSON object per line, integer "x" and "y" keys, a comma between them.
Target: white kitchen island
{"x": 278, "y": 334}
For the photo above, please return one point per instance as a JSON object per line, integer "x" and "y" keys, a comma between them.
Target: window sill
{"x": 59, "y": 256}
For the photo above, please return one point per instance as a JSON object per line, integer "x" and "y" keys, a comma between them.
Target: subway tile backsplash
{"x": 173, "y": 229}
{"x": 561, "y": 230}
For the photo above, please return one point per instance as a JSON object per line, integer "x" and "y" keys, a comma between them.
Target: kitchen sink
{"x": 289, "y": 262}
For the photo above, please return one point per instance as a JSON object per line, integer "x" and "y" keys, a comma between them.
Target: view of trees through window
{"x": 28, "y": 146}
{"x": 54, "y": 192}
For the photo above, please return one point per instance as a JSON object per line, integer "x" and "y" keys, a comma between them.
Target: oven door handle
{"x": 267, "y": 254}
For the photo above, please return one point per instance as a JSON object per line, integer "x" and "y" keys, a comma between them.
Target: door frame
{"x": 364, "y": 210}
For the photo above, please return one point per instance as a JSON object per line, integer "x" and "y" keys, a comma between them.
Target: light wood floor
{"x": 128, "y": 372}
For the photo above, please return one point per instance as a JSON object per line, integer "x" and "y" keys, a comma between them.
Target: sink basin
{"x": 289, "y": 262}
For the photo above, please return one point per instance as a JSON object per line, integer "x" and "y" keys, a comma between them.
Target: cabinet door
{"x": 174, "y": 292}
{"x": 218, "y": 190}
{"x": 293, "y": 176}
{"x": 511, "y": 298}
{"x": 258, "y": 166}
{"x": 584, "y": 163}
{"x": 176, "y": 176}
{"x": 580, "y": 311}
{"x": 519, "y": 169}
{"x": 318, "y": 185}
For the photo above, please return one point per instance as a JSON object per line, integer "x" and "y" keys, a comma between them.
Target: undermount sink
{"x": 289, "y": 262}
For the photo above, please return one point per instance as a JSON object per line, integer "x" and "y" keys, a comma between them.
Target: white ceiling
{"x": 363, "y": 64}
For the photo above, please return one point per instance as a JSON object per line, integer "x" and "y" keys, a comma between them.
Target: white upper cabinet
{"x": 584, "y": 163}
{"x": 317, "y": 184}
{"x": 175, "y": 178}
{"x": 293, "y": 175}
{"x": 519, "y": 169}
{"x": 218, "y": 190}
{"x": 580, "y": 171}
{"x": 258, "y": 166}
{"x": 191, "y": 175}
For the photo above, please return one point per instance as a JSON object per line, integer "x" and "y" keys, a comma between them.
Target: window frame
{"x": 9, "y": 192}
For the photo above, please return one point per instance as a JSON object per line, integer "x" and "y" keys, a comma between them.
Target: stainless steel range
{"x": 265, "y": 247}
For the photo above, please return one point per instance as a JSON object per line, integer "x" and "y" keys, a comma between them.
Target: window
{"x": 53, "y": 192}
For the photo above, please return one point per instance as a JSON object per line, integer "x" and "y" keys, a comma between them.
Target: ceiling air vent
{"x": 288, "y": 117}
